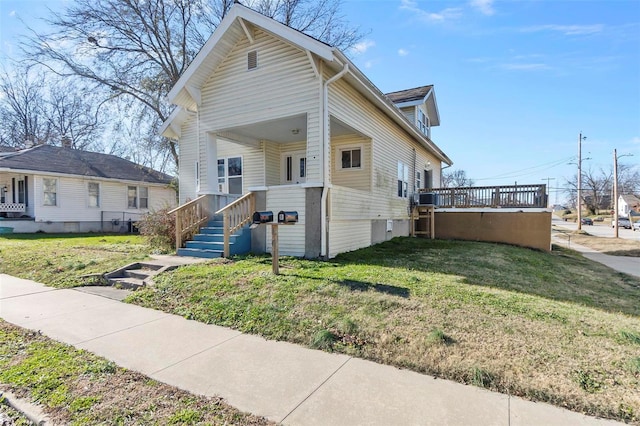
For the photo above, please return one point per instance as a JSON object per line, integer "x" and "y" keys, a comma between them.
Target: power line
{"x": 530, "y": 170}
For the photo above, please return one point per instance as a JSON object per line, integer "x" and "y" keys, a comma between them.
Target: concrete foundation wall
{"x": 526, "y": 229}
{"x": 31, "y": 226}
{"x": 313, "y": 222}
{"x": 379, "y": 233}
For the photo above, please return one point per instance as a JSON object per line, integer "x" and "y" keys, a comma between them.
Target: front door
{"x": 294, "y": 167}
{"x": 230, "y": 175}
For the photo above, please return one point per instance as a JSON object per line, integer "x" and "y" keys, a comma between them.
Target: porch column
{"x": 211, "y": 163}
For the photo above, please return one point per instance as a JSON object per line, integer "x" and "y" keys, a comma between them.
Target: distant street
{"x": 598, "y": 229}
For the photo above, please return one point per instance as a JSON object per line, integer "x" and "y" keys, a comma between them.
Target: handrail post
{"x": 178, "y": 231}
{"x": 225, "y": 226}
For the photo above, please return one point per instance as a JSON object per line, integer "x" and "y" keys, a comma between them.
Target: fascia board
{"x": 70, "y": 175}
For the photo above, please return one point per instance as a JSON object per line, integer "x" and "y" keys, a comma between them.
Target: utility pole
{"x": 580, "y": 139}
{"x": 549, "y": 179}
{"x": 615, "y": 193}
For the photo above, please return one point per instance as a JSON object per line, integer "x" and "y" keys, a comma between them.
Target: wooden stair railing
{"x": 189, "y": 218}
{"x": 236, "y": 215}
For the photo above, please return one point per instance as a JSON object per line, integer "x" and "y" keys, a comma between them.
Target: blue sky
{"x": 515, "y": 81}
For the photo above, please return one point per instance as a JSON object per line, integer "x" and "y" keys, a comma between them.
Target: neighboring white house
{"x": 53, "y": 189}
{"x": 626, "y": 203}
{"x": 264, "y": 108}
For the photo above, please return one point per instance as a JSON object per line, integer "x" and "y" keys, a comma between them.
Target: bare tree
{"x": 456, "y": 179}
{"x": 21, "y": 106}
{"x": 139, "y": 48}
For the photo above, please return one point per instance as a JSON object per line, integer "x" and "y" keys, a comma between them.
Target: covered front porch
{"x": 15, "y": 193}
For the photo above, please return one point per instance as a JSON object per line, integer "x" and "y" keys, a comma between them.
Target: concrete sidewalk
{"x": 625, "y": 264}
{"x": 281, "y": 381}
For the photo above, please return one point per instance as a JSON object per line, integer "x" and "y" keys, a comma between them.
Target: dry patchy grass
{"x": 611, "y": 246}
{"x": 76, "y": 387}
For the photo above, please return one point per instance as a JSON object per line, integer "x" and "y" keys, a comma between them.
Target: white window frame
{"x": 402, "y": 187}
{"x": 44, "y": 192}
{"x": 89, "y": 195}
{"x": 223, "y": 181}
{"x": 138, "y": 197}
{"x": 135, "y": 198}
{"x": 424, "y": 123}
{"x": 418, "y": 180}
{"x": 296, "y": 171}
{"x": 351, "y": 148}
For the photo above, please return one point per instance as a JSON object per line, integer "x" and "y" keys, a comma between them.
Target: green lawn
{"x": 551, "y": 327}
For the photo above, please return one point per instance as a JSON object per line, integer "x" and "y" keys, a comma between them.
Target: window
{"x": 132, "y": 197}
{"x": 50, "y": 191}
{"x": 21, "y": 192}
{"x": 137, "y": 197}
{"x": 94, "y": 194}
{"x": 423, "y": 123}
{"x": 289, "y": 168}
{"x": 230, "y": 175}
{"x": 252, "y": 60}
{"x": 197, "y": 168}
{"x": 351, "y": 158}
{"x": 418, "y": 180}
{"x": 303, "y": 167}
{"x": 428, "y": 179}
{"x": 403, "y": 180}
{"x": 144, "y": 197}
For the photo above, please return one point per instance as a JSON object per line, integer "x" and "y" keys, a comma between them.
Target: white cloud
{"x": 525, "y": 67}
{"x": 12, "y": 13}
{"x": 362, "y": 47}
{"x": 566, "y": 29}
{"x": 368, "y": 64}
{"x": 441, "y": 16}
{"x": 403, "y": 52}
{"x": 635, "y": 140}
{"x": 483, "y": 6}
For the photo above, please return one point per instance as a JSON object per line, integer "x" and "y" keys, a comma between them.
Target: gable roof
{"x": 630, "y": 199}
{"x": 186, "y": 93}
{"x": 418, "y": 96}
{"x": 68, "y": 161}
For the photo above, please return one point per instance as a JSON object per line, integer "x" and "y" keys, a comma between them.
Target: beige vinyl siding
{"x": 410, "y": 113}
{"x": 283, "y": 85}
{"x": 73, "y": 203}
{"x": 291, "y": 238}
{"x": 389, "y": 145}
{"x": 188, "y": 153}
{"x": 272, "y": 163}
{"x": 348, "y": 236}
{"x": 352, "y": 178}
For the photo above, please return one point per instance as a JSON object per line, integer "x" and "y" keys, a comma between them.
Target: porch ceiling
{"x": 284, "y": 130}
{"x": 338, "y": 128}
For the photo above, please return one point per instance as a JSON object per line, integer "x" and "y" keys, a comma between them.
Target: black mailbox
{"x": 262, "y": 217}
{"x": 287, "y": 217}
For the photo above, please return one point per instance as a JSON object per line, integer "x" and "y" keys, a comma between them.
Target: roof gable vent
{"x": 252, "y": 60}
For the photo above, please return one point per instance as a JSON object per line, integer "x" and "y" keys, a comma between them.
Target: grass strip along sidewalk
{"x": 553, "y": 327}
{"x": 79, "y": 388}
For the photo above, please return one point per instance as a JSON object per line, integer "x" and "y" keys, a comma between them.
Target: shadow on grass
{"x": 381, "y": 288}
{"x": 45, "y": 236}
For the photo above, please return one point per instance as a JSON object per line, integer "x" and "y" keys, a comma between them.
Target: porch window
{"x": 351, "y": 158}
{"x": 230, "y": 175}
{"x": 50, "y": 191}
{"x": 94, "y": 194}
{"x": 403, "y": 180}
{"x": 21, "y": 192}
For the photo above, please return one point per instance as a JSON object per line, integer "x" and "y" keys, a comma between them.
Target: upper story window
{"x": 423, "y": 123}
{"x": 351, "y": 158}
{"x": 49, "y": 191}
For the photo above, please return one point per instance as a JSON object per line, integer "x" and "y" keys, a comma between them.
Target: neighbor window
{"x": 132, "y": 197}
{"x": 50, "y": 191}
{"x": 138, "y": 197}
{"x": 403, "y": 180}
{"x": 94, "y": 194}
{"x": 351, "y": 158}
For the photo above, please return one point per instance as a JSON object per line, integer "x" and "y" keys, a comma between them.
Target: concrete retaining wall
{"x": 522, "y": 228}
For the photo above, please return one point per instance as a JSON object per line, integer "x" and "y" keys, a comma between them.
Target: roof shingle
{"x": 409, "y": 94}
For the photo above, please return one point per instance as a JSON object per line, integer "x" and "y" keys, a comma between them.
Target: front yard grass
{"x": 607, "y": 245}
{"x": 553, "y": 327}
{"x": 61, "y": 260}
{"x": 549, "y": 327}
{"x": 78, "y": 388}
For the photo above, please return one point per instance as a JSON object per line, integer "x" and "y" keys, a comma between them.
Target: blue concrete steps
{"x": 209, "y": 243}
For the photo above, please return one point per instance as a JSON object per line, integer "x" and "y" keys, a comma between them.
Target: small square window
{"x": 351, "y": 158}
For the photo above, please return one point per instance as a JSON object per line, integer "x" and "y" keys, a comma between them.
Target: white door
{"x": 294, "y": 168}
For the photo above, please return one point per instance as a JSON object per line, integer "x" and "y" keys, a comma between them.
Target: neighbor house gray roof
{"x": 630, "y": 199}
{"x": 417, "y": 93}
{"x": 4, "y": 148}
{"x": 54, "y": 159}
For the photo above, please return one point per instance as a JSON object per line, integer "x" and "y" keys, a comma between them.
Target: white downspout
{"x": 326, "y": 139}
